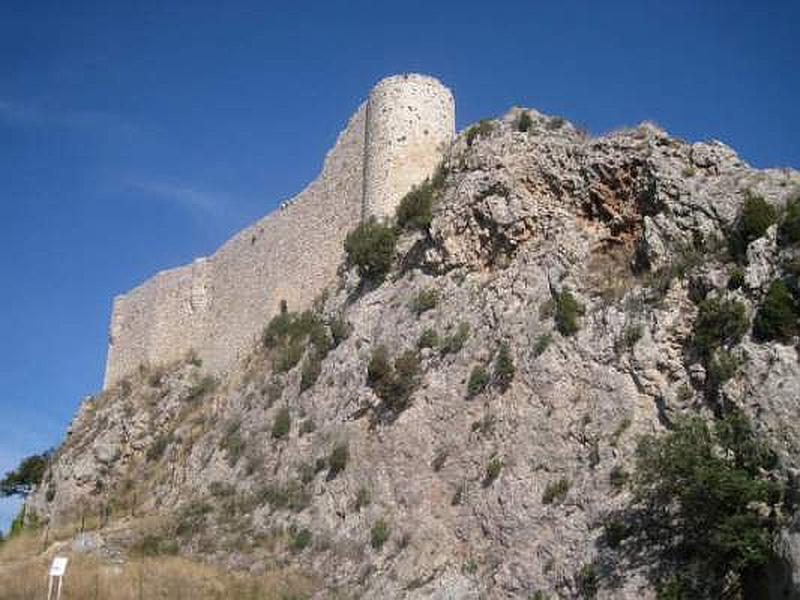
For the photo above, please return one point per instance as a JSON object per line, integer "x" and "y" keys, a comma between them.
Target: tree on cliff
{"x": 708, "y": 504}
{"x": 29, "y": 473}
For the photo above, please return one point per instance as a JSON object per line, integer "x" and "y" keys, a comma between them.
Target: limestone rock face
{"x": 633, "y": 224}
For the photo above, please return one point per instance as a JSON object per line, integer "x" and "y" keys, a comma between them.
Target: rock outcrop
{"x": 499, "y": 491}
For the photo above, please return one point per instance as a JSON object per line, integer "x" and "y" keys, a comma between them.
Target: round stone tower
{"x": 410, "y": 123}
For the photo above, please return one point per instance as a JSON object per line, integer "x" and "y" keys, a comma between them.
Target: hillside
{"x": 467, "y": 426}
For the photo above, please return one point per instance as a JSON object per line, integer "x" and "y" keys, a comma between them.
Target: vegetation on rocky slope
{"x": 707, "y": 506}
{"x": 464, "y": 424}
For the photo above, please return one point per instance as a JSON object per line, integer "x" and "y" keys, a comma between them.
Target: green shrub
{"x": 287, "y": 335}
{"x": 524, "y": 121}
{"x": 380, "y": 374}
{"x": 379, "y": 534}
{"x": 287, "y": 357}
{"x": 201, "y": 389}
{"x": 615, "y": 530}
{"x": 791, "y": 267}
{"x": 301, "y": 540}
{"x": 191, "y": 517}
{"x": 736, "y": 279}
{"x": 308, "y": 426}
{"x": 756, "y": 217}
{"x": 789, "y": 232}
{"x": 438, "y": 461}
{"x": 407, "y": 375}
{"x": 219, "y": 489}
{"x": 493, "y": 468}
{"x": 478, "y": 380}
{"x": 567, "y": 311}
{"x": 153, "y": 544}
{"x": 158, "y": 447}
{"x": 481, "y": 129}
{"x": 428, "y": 339}
{"x": 282, "y": 423}
{"x": 776, "y": 318}
{"x": 312, "y": 367}
{"x": 454, "y": 342}
{"x": 556, "y": 491}
{"x": 393, "y": 384}
{"x": 292, "y": 496}
{"x": 425, "y": 300}
{"x": 370, "y": 248}
{"x": 470, "y": 566}
{"x": 319, "y": 338}
{"x": 722, "y": 367}
{"x": 415, "y": 208}
{"x": 687, "y": 257}
{"x": 337, "y": 461}
{"x": 719, "y": 323}
{"x": 363, "y": 498}
{"x": 618, "y": 477}
{"x": 684, "y": 393}
{"x": 542, "y": 343}
{"x": 588, "y": 581}
{"x": 754, "y": 220}
{"x": 504, "y": 369}
{"x": 272, "y": 391}
{"x": 277, "y": 329}
{"x": 232, "y": 441}
{"x": 306, "y": 472}
{"x": 27, "y": 475}
{"x": 340, "y": 329}
{"x": 707, "y": 503}
{"x": 673, "y": 588}
{"x": 631, "y": 334}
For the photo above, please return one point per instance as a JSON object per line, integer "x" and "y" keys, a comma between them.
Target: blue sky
{"x": 137, "y": 136}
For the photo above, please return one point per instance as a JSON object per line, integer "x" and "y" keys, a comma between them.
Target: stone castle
{"x": 218, "y": 305}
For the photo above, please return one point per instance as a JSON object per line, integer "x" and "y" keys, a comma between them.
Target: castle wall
{"x": 410, "y": 121}
{"x": 290, "y": 255}
{"x": 218, "y": 306}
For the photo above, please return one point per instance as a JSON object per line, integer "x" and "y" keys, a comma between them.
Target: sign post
{"x": 56, "y": 580}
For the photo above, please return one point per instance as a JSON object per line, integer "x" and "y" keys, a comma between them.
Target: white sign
{"x": 59, "y": 566}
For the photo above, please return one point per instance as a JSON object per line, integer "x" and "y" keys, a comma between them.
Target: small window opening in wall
{"x": 402, "y": 138}
{"x": 425, "y": 132}
{"x": 253, "y": 240}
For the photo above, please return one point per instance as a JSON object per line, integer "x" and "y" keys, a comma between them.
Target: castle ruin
{"x": 218, "y": 305}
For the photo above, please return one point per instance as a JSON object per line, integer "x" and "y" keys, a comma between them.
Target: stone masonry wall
{"x": 218, "y": 306}
{"x": 410, "y": 120}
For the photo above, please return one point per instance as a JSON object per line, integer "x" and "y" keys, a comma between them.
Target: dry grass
{"x": 23, "y": 576}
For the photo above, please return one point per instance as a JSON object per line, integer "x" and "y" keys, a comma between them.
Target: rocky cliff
{"x": 464, "y": 428}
